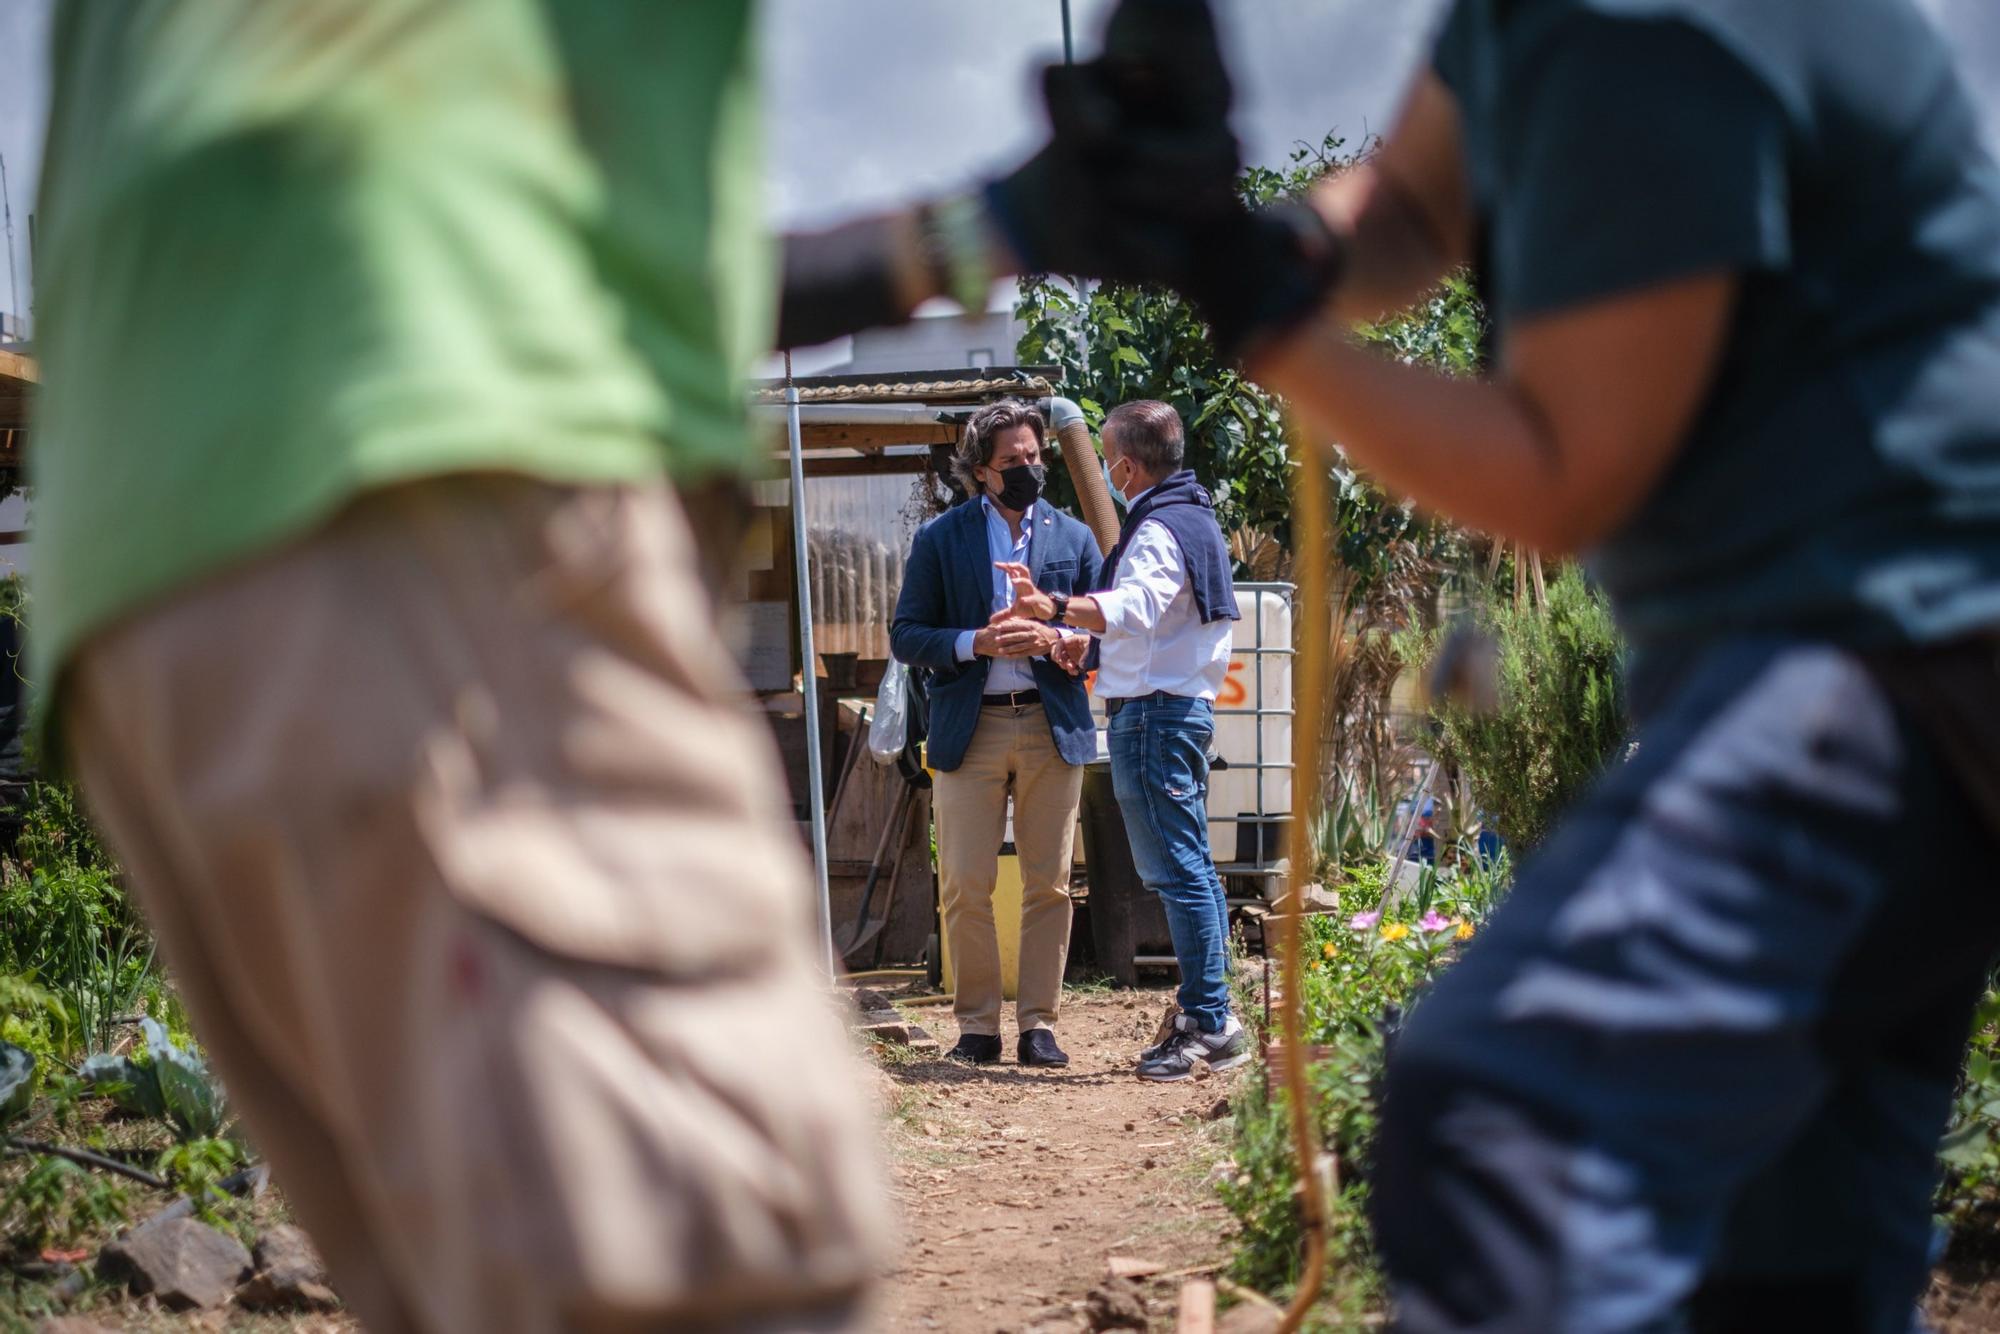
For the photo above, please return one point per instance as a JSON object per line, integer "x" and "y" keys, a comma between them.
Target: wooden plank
{"x": 861, "y": 435}
{"x": 14, "y": 366}
{"x": 18, "y": 374}
{"x": 873, "y": 465}
{"x": 1197, "y": 1313}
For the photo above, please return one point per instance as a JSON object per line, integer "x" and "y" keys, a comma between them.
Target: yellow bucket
{"x": 1006, "y": 925}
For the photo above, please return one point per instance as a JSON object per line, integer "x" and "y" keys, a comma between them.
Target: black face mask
{"x": 1020, "y": 485}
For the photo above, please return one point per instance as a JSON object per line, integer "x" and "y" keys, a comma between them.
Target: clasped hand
{"x": 1020, "y": 631}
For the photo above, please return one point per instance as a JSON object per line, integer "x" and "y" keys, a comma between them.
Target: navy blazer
{"x": 948, "y": 589}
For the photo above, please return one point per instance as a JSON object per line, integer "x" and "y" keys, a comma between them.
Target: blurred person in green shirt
{"x": 380, "y": 339}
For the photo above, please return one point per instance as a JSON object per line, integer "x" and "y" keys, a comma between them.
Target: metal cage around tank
{"x": 1271, "y": 651}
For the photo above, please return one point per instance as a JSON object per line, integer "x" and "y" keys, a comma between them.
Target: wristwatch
{"x": 1061, "y": 601}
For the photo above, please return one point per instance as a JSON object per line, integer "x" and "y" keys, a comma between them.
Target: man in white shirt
{"x": 1162, "y": 632}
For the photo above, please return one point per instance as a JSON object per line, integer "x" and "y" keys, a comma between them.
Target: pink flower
{"x": 1432, "y": 923}
{"x": 1365, "y": 921}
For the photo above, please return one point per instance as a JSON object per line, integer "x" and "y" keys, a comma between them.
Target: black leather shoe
{"x": 1038, "y": 1047}
{"x": 976, "y": 1049}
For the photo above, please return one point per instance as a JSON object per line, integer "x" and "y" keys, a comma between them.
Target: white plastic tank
{"x": 1257, "y": 680}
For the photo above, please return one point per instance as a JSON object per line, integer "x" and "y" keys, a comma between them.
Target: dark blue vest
{"x": 1183, "y": 505}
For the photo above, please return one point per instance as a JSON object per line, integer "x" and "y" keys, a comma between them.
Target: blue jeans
{"x": 1159, "y": 772}
{"x": 1693, "y": 1073}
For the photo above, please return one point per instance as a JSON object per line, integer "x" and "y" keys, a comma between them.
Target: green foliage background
{"x": 1561, "y": 711}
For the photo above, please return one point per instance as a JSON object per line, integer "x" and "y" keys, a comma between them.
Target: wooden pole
{"x": 1197, "y": 1313}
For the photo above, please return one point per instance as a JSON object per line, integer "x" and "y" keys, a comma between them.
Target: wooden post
{"x": 1197, "y": 1313}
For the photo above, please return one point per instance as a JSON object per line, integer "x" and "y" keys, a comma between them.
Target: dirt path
{"x": 1017, "y": 1187}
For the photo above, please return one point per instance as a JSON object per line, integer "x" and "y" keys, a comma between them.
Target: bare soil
{"x": 1019, "y": 1187}
{"x": 1021, "y": 1191}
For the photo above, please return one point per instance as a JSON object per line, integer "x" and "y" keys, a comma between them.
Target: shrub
{"x": 1363, "y": 970}
{"x": 1561, "y": 711}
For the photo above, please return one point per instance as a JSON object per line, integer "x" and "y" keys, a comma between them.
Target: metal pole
{"x": 7, "y": 209}
{"x": 808, "y": 678}
{"x": 1069, "y": 46}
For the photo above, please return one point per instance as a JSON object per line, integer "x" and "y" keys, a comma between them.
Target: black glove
{"x": 1259, "y": 273}
{"x": 1140, "y": 156}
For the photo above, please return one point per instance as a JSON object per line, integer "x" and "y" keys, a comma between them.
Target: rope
{"x": 1315, "y": 631}
{"x": 911, "y": 391}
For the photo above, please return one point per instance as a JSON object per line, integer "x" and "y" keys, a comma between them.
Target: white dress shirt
{"x": 1153, "y": 637}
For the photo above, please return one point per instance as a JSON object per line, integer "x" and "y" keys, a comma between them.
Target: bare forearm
{"x": 1473, "y": 450}
{"x": 1085, "y": 614}
{"x": 1396, "y": 253}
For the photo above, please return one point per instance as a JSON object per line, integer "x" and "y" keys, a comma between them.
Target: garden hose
{"x": 1315, "y": 634}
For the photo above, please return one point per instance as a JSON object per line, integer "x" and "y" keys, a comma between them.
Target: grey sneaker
{"x": 1165, "y": 1030}
{"x": 1175, "y": 1058}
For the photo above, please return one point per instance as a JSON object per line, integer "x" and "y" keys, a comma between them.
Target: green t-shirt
{"x": 1842, "y": 481}
{"x": 295, "y": 250}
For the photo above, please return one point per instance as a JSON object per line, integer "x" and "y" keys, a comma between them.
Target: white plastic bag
{"x": 890, "y": 730}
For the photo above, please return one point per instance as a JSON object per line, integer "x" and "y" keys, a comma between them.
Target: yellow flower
{"x": 1395, "y": 931}
{"x": 1327, "y": 949}
{"x": 1464, "y": 931}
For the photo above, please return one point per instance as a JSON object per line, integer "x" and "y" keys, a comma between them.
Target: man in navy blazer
{"x": 1003, "y": 719}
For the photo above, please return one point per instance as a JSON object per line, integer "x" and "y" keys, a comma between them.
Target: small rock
{"x": 1148, "y": 1164}
{"x": 182, "y": 1262}
{"x": 1217, "y": 1110}
{"x": 290, "y": 1275}
{"x": 1131, "y": 1126}
{"x": 867, "y": 999}
{"x": 1116, "y": 1303}
{"x": 287, "y": 1253}
{"x": 893, "y": 1028}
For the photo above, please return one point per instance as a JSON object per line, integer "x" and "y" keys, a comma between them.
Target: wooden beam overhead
{"x": 847, "y": 435}
{"x": 870, "y": 465}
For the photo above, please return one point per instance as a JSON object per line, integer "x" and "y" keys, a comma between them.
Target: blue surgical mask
{"x": 1117, "y": 496}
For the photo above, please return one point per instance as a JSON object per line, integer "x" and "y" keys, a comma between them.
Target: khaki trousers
{"x": 1011, "y": 748}
{"x": 476, "y": 881}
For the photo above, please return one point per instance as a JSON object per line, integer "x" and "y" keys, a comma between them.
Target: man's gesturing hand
{"x": 1029, "y": 601}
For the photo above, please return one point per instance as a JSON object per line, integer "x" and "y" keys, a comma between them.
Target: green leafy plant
{"x": 166, "y": 1081}
{"x": 68, "y": 926}
{"x": 197, "y": 1168}
{"x": 1363, "y": 970}
{"x": 1561, "y": 714}
{"x": 1971, "y": 1148}
{"x": 56, "y": 1203}
{"x": 1353, "y": 829}
{"x": 31, "y": 1017}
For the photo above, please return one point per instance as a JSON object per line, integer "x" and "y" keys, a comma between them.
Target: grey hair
{"x": 975, "y": 442}
{"x": 1149, "y": 433}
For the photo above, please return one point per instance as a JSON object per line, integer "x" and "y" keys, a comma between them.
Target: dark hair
{"x": 975, "y": 443}
{"x": 1148, "y": 431}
